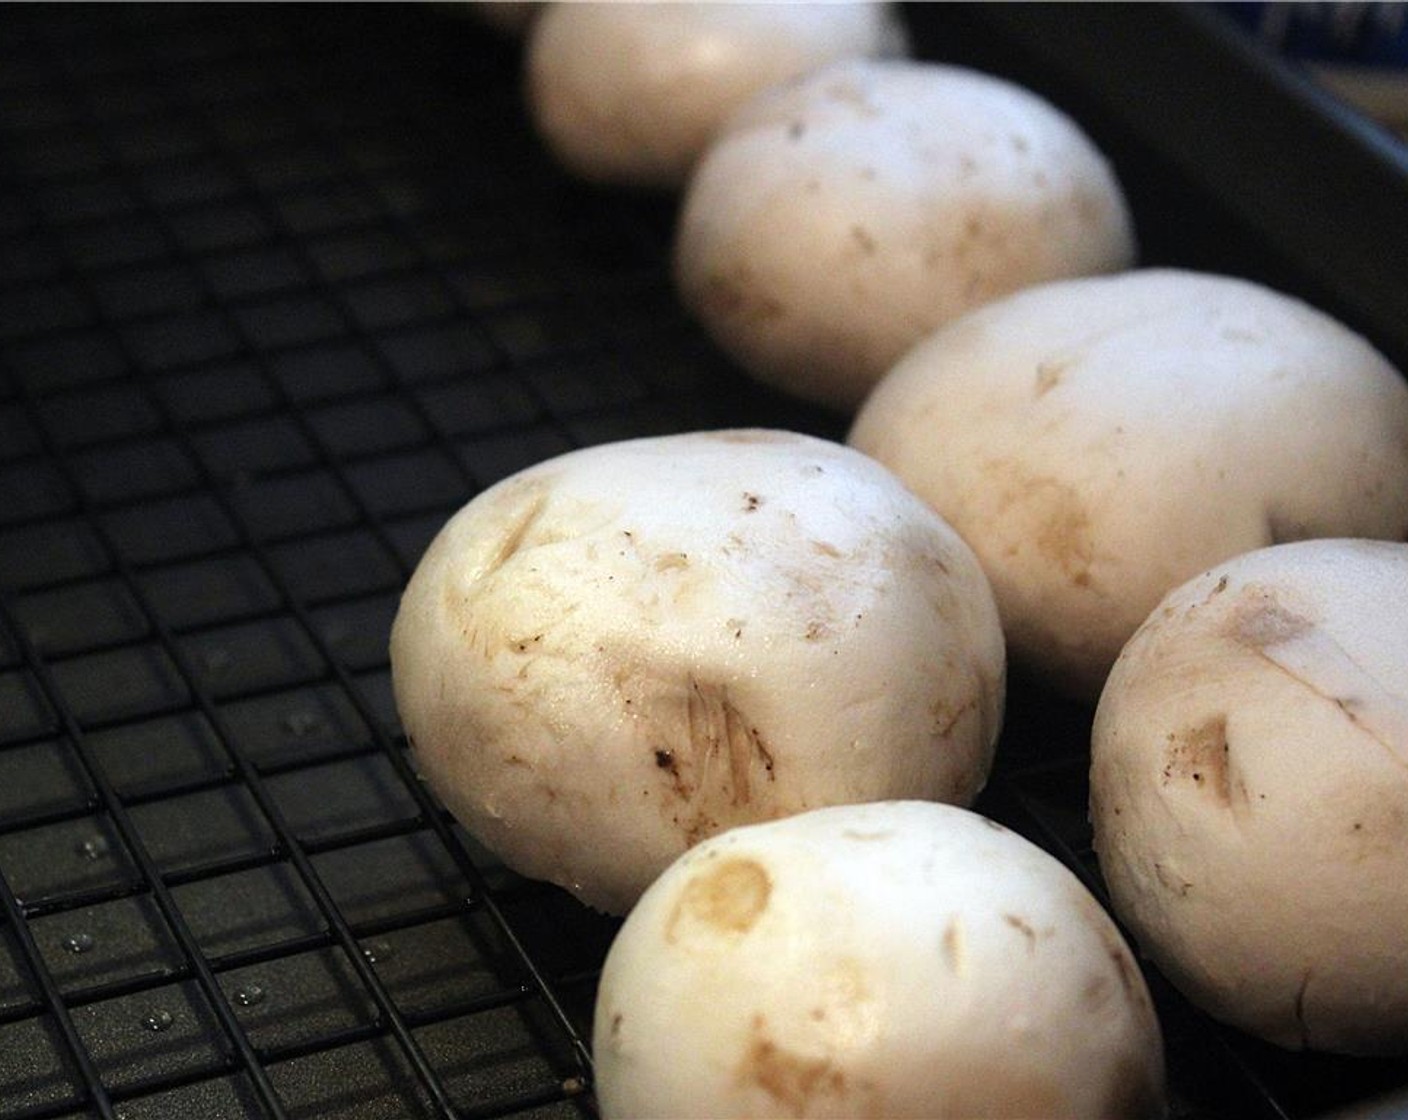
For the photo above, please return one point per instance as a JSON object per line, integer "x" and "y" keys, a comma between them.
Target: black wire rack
{"x": 281, "y": 288}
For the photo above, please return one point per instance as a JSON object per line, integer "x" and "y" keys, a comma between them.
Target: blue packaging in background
{"x": 1358, "y": 51}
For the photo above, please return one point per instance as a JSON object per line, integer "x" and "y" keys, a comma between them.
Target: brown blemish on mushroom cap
{"x": 718, "y": 762}
{"x": 1049, "y": 372}
{"x": 1062, "y": 531}
{"x": 1296, "y": 642}
{"x": 521, "y": 503}
{"x": 1260, "y": 619}
{"x": 793, "y": 1080}
{"x": 1024, "y": 927}
{"x": 728, "y": 898}
{"x": 735, "y": 293}
{"x": 1202, "y": 754}
{"x": 955, "y": 946}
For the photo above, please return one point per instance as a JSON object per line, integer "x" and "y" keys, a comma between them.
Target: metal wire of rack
{"x": 280, "y": 288}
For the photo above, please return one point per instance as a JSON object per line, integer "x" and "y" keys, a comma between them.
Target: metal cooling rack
{"x": 280, "y": 288}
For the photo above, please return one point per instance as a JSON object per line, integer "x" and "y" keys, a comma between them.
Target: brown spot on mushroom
{"x": 955, "y": 946}
{"x": 1202, "y": 754}
{"x": 668, "y": 561}
{"x": 751, "y": 502}
{"x": 1171, "y": 880}
{"x": 863, "y": 240}
{"x": 794, "y": 1080}
{"x": 1097, "y": 990}
{"x": 728, "y": 898}
{"x": 1025, "y": 928}
{"x": 946, "y": 715}
{"x": 796, "y": 129}
{"x": 735, "y": 294}
{"x": 1260, "y": 620}
{"x": 1294, "y": 642}
{"x": 1062, "y": 530}
{"x": 1378, "y": 829}
{"x": 714, "y": 724}
{"x": 1090, "y": 208}
{"x": 848, "y": 93}
{"x": 718, "y": 763}
{"x": 531, "y": 499}
{"x": 1048, "y": 374}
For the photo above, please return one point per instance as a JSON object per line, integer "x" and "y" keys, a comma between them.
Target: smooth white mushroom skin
{"x": 631, "y": 94}
{"x": 1249, "y": 793}
{"x": 838, "y": 220}
{"x": 1100, "y": 441}
{"x": 618, "y": 652}
{"x": 901, "y": 959}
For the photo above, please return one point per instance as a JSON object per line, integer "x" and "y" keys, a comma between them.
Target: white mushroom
{"x": 1249, "y": 792}
{"x": 1100, "y": 441}
{"x": 900, "y": 960}
{"x": 618, "y": 652}
{"x": 839, "y": 219}
{"x": 632, "y": 93}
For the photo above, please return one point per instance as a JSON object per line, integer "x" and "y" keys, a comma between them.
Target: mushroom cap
{"x": 1249, "y": 792}
{"x": 615, "y": 653}
{"x": 632, "y": 93}
{"x": 1099, "y": 441}
{"x": 839, "y": 219}
{"x": 903, "y": 959}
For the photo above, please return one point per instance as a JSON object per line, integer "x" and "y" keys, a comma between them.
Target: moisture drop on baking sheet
{"x": 249, "y": 995}
{"x": 95, "y": 847}
{"x": 158, "y": 1020}
{"x": 78, "y": 943}
{"x": 378, "y": 951}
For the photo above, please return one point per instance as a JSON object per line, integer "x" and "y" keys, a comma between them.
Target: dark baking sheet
{"x": 281, "y": 288}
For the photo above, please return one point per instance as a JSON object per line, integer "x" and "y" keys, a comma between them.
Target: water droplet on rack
{"x": 158, "y": 1020}
{"x": 302, "y": 723}
{"x": 249, "y": 995}
{"x": 78, "y": 943}
{"x": 94, "y": 847}
{"x": 378, "y": 951}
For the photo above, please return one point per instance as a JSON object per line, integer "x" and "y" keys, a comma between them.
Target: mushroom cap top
{"x": 632, "y": 93}
{"x": 1249, "y": 791}
{"x": 839, "y": 218}
{"x": 1098, "y": 441}
{"x": 899, "y": 959}
{"x": 617, "y": 652}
